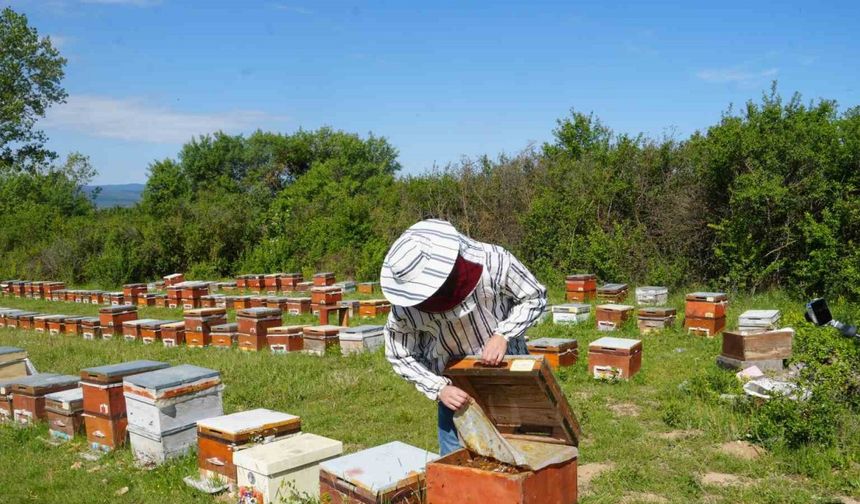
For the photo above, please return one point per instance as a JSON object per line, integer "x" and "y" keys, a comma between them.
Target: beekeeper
{"x": 452, "y": 296}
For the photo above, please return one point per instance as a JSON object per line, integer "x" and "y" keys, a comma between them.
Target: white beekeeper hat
{"x": 419, "y": 262}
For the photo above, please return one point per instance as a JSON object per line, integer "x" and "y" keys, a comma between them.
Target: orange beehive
{"x": 611, "y": 316}
{"x": 323, "y": 279}
{"x": 173, "y": 334}
{"x": 225, "y": 335}
{"x": 284, "y": 339}
{"x": 289, "y": 282}
{"x": 614, "y": 358}
{"x": 111, "y": 318}
{"x": 373, "y": 307}
{"x": 326, "y": 295}
{"x": 558, "y": 352}
{"x": 298, "y": 306}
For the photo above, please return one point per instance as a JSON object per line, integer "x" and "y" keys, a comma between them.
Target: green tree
{"x": 30, "y": 73}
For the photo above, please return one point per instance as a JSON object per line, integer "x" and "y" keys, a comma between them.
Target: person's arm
{"x": 529, "y": 298}
{"x": 401, "y": 347}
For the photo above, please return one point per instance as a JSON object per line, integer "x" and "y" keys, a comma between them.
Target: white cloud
{"x": 59, "y": 41}
{"x": 135, "y": 120}
{"x": 736, "y": 75}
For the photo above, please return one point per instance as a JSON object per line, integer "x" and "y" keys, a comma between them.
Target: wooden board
{"x": 531, "y": 404}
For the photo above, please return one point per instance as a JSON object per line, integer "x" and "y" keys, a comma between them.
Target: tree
{"x": 30, "y": 73}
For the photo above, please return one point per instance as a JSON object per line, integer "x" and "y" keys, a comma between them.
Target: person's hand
{"x": 453, "y": 398}
{"x": 494, "y": 350}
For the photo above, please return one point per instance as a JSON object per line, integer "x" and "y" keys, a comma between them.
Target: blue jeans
{"x": 448, "y": 439}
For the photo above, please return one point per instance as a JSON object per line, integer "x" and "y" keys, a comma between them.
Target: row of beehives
{"x": 163, "y": 412}
{"x": 256, "y": 329}
{"x": 190, "y": 295}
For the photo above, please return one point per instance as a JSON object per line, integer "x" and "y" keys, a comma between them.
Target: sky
{"x": 441, "y": 80}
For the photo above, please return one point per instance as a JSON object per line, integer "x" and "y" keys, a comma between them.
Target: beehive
{"x": 392, "y": 473}
{"x": 655, "y": 296}
{"x": 765, "y": 349}
{"x": 652, "y": 319}
{"x": 365, "y": 338}
{"x": 612, "y": 292}
{"x": 219, "y": 438}
{"x": 368, "y": 287}
{"x": 535, "y": 420}
{"x": 133, "y": 329}
{"x": 299, "y": 306}
{"x": 289, "y": 281}
{"x": 112, "y": 318}
{"x": 614, "y": 358}
{"x": 373, "y": 307}
{"x": 570, "y": 313}
{"x": 558, "y": 352}
{"x": 28, "y": 394}
{"x": 13, "y": 362}
{"x": 581, "y": 287}
{"x": 91, "y": 328}
{"x": 253, "y": 326}
{"x": 270, "y": 472}
{"x": 326, "y": 295}
{"x": 323, "y": 279}
{"x": 318, "y": 339}
{"x": 283, "y": 339}
{"x": 612, "y": 316}
{"x": 225, "y": 336}
{"x": 164, "y": 407}
{"x": 758, "y": 320}
{"x": 173, "y": 334}
{"x": 63, "y": 411}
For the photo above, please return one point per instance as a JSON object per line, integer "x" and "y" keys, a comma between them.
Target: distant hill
{"x": 111, "y": 195}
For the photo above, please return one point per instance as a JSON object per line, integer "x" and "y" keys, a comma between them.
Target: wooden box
{"x": 299, "y": 306}
{"x": 150, "y": 332}
{"x": 13, "y": 362}
{"x": 218, "y": 438}
{"x": 116, "y": 298}
{"x": 40, "y": 323}
{"x": 91, "y": 328}
{"x": 102, "y": 386}
{"x": 174, "y": 296}
{"x": 585, "y": 282}
{"x": 208, "y": 301}
{"x": 254, "y": 324}
{"x": 614, "y": 358}
{"x": 612, "y": 292}
{"x": 241, "y": 302}
{"x": 173, "y": 334}
{"x": 271, "y": 282}
{"x": 242, "y": 282}
{"x": 164, "y": 405}
{"x": 558, "y": 352}
{"x": 224, "y": 336}
{"x": 258, "y": 302}
{"x": 63, "y": 411}
{"x": 373, "y": 307}
{"x": 323, "y": 279}
{"x": 304, "y": 286}
{"x": 198, "y": 339}
{"x": 56, "y": 324}
{"x": 367, "y": 287}
{"x": 72, "y": 326}
{"x": 271, "y": 472}
{"x": 392, "y": 473}
{"x": 706, "y": 305}
{"x": 326, "y": 295}
{"x": 525, "y": 403}
{"x": 365, "y": 338}
{"x": 758, "y": 320}
{"x": 148, "y": 299}
{"x": 288, "y": 282}
{"x": 701, "y": 326}
{"x": 279, "y": 302}
{"x": 133, "y": 329}
{"x": 657, "y": 296}
{"x": 318, "y": 339}
{"x": 174, "y": 279}
{"x": 6, "y": 414}
{"x": 201, "y": 320}
{"x": 255, "y": 282}
{"x": 284, "y": 339}
{"x": 28, "y": 394}
{"x": 112, "y": 318}
{"x": 132, "y": 291}
{"x": 27, "y": 320}
{"x": 105, "y": 433}
{"x": 653, "y": 319}
{"x": 755, "y": 346}
{"x": 570, "y": 313}
{"x": 611, "y": 316}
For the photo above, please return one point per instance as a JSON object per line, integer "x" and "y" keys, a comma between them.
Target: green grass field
{"x": 643, "y": 441}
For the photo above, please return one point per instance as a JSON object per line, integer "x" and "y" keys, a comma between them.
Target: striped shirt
{"x": 507, "y": 300}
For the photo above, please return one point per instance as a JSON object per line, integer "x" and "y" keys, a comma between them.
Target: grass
{"x": 634, "y": 427}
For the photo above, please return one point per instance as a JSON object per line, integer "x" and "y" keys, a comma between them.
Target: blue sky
{"x": 440, "y": 80}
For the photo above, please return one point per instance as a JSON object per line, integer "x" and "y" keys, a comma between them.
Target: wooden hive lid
{"x": 374, "y": 302}
{"x": 380, "y": 469}
{"x": 581, "y": 277}
{"x": 44, "y": 383}
{"x": 118, "y": 308}
{"x": 139, "y": 322}
{"x": 205, "y": 312}
{"x": 90, "y": 320}
{"x": 258, "y": 312}
{"x": 154, "y": 324}
{"x": 274, "y": 275}
{"x": 290, "y": 329}
{"x": 571, "y": 308}
{"x": 325, "y": 274}
{"x": 709, "y": 297}
{"x": 299, "y": 300}
{"x": 326, "y": 289}
{"x": 232, "y": 327}
{"x": 276, "y": 457}
{"x": 558, "y": 344}
{"x": 520, "y": 396}
{"x": 612, "y": 287}
{"x": 113, "y": 373}
{"x": 657, "y": 311}
{"x": 174, "y": 324}
{"x": 171, "y": 382}
{"x": 72, "y": 398}
{"x": 246, "y": 425}
{"x": 614, "y": 307}
{"x": 322, "y": 330}
{"x": 611, "y": 343}
{"x": 133, "y": 285}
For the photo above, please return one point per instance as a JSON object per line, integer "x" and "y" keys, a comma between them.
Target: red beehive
{"x": 173, "y": 334}
{"x": 298, "y": 306}
{"x": 373, "y": 307}
{"x": 318, "y": 339}
{"x": 257, "y": 302}
{"x": 28, "y": 394}
{"x": 91, "y": 328}
{"x": 614, "y": 358}
{"x": 705, "y": 313}
{"x": 253, "y": 326}
{"x": 192, "y": 292}
{"x": 304, "y": 286}
{"x": 132, "y": 291}
{"x": 611, "y": 316}
{"x": 242, "y": 281}
{"x": 174, "y": 296}
{"x": 147, "y": 299}
{"x": 116, "y": 298}
{"x": 55, "y": 324}
{"x": 323, "y": 279}
{"x": 651, "y": 319}
{"x": 241, "y": 302}
{"x": 326, "y": 295}
{"x": 174, "y": 279}
{"x": 289, "y": 282}
{"x": 545, "y": 433}
{"x": 367, "y": 287}
{"x": 225, "y": 335}
{"x": 558, "y": 352}
{"x": 271, "y": 282}
{"x": 73, "y": 326}
{"x": 283, "y": 339}
{"x": 150, "y": 331}
{"x": 256, "y": 282}
{"x": 277, "y": 302}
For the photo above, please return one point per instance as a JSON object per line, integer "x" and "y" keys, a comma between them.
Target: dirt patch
{"x": 847, "y": 500}
{"x": 624, "y": 409}
{"x": 640, "y": 497}
{"x": 723, "y": 479}
{"x": 587, "y": 472}
{"x": 741, "y": 450}
{"x": 678, "y": 434}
